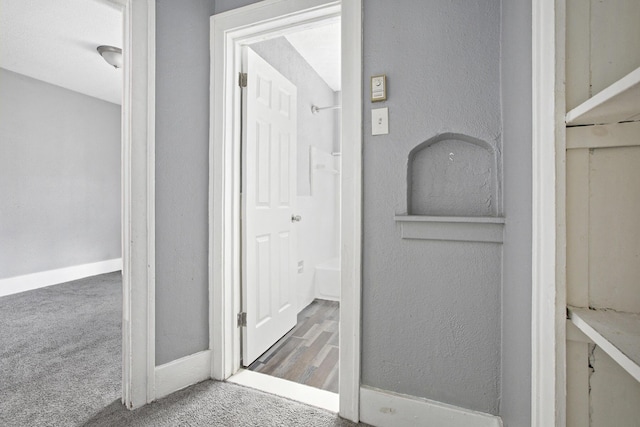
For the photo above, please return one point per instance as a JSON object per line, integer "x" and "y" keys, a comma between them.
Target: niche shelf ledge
{"x": 617, "y": 103}
{"x": 616, "y": 333}
{"x": 451, "y": 228}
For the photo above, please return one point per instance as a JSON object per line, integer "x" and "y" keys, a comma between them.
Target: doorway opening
{"x": 231, "y": 32}
{"x": 63, "y": 141}
{"x": 290, "y": 200}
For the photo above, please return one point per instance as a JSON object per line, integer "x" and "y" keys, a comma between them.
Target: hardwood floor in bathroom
{"x": 308, "y": 354}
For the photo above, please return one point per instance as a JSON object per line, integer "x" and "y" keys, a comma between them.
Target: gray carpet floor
{"x": 60, "y": 365}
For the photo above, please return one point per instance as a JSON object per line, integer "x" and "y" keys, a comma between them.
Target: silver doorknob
{"x": 296, "y": 218}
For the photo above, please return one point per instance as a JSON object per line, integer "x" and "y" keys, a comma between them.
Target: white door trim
{"x": 228, "y": 31}
{"x": 351, "y": 210}
{"x": 138, "y": 203}
{"x": 548, "y": 250}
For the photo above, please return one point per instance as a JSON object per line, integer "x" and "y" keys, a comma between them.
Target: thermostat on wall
{"x": 378, "y": 88}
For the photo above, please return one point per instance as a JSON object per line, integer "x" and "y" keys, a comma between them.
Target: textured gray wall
{"x": 59, "y": 177}
{"x": 182, "y": 153}
{"x": 224, "y": 5}
{"x": 452, "y": 175}
{"x": 431, "y": 310}
{"x": 516, "y": 293}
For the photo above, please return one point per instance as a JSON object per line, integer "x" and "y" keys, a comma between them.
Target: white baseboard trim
{"x": 182, "y": 373}
{"x": 386, "y": 409}
{"x": 302, "y": 393}
{"x": 28, "y": 282}
{"x": 326, "y": 297}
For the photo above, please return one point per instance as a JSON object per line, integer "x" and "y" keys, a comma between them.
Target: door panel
{"x": 269, "y": 168}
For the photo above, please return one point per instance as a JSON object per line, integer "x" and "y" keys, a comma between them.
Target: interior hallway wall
{"x": 515, "y": 405}
{"x": 317, "y": 201}
{"x": 431, "y": 47}
{"x": 224, "y": 5}
{"x": 59, "y": 177}
{"x": 431, "y": 309}
{"x": 182, "y": 187}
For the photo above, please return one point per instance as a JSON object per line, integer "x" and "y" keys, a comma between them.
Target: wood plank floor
{"x": 308, "y": 354}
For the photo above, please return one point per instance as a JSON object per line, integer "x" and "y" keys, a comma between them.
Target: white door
{"x": 269, "y": 190}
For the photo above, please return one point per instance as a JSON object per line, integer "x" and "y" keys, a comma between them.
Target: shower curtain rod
{"x": 315, "y": 109}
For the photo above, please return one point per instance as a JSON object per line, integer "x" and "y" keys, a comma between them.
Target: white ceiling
{"x": 320, "y": 47}
{"x": 56, "y": 40}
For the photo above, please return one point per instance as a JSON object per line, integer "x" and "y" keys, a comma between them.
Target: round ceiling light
{"x": 113, "y": 55}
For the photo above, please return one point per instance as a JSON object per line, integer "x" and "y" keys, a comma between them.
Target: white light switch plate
{"x": 380, "y": 121}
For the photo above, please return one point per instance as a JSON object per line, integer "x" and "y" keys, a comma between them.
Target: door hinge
{"x": 242, "y": 319}
{"x": 242, "y": 79}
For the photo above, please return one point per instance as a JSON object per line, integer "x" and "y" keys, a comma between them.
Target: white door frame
{"x": 229, "y": 31}
{"x": 138, "y": 201}
{"x": 548, "y": 334}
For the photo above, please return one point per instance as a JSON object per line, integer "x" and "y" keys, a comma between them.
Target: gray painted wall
{"x": 516, "y": 292}
{"x": 444, "y": 63}
{"x": 59, "y": 177}
{"x": 182, "y": 152}
{"x": 225, "y": 5}
{"x": 431, "y": 310}
{"x": 452, "y": 175}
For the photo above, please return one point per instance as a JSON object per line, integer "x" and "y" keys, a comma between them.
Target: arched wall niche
{"x": 453, "y": 175}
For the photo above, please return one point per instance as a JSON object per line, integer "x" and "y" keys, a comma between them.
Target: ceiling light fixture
{"x": 113, "y": 55}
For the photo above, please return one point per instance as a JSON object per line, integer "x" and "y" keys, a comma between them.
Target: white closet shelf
{"x": 616, "y": 333}
{"x": 617, "y": 103}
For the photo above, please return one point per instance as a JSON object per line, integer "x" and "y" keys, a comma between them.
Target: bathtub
{"x": 327, "y": 280}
